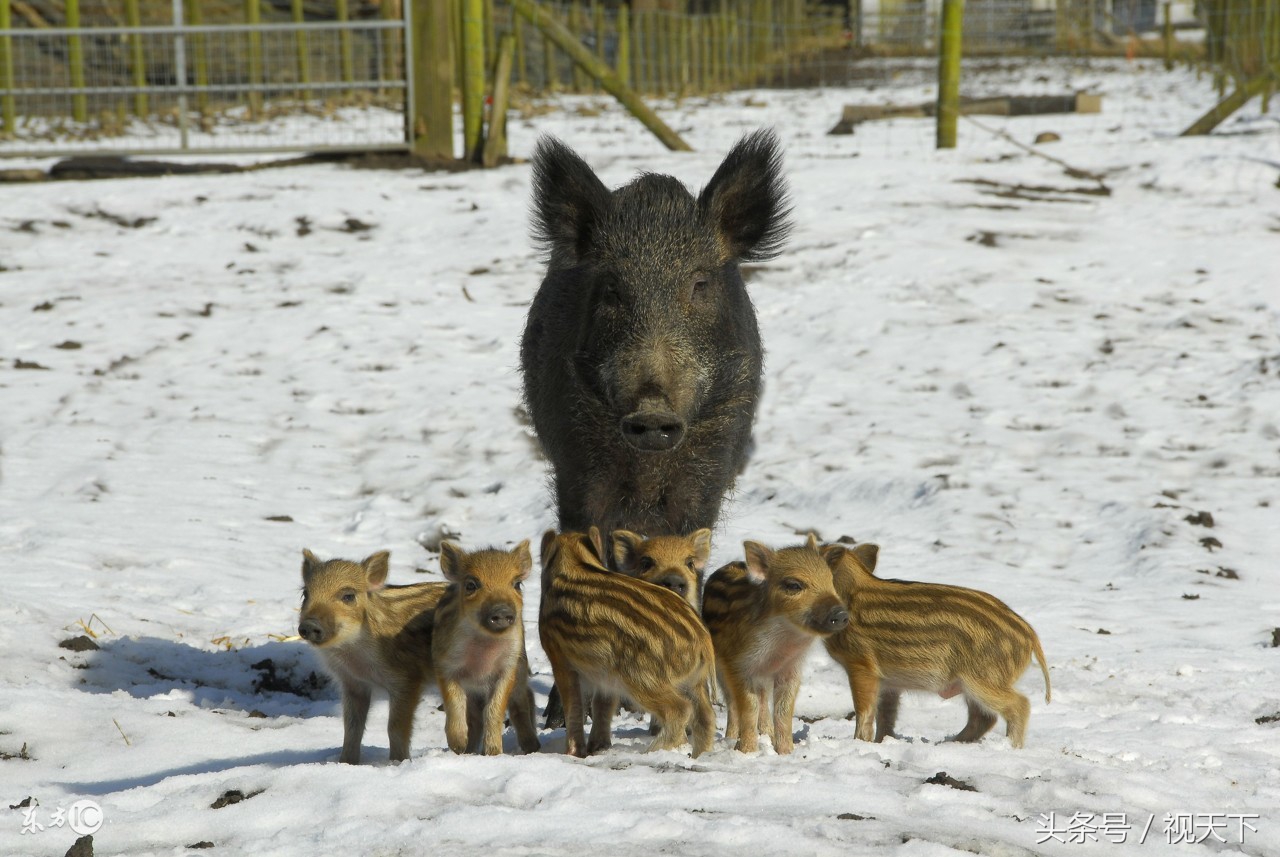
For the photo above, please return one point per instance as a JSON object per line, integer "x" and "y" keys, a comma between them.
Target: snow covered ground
{"x": 1006, "y": 381}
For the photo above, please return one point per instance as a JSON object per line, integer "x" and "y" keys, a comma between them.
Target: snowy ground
{"x": 1024, "y": 390}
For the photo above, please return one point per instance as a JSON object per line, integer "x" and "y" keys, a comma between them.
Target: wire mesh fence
{"x": 178, "y": 86}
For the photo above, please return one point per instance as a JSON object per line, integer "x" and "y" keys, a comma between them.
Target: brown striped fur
{"x": 764, "y": 615}
{"x": 370, "y": 635}
{"x": 614, "y": 636}
{"x": 478, "y": 649}
{"x": 949, "y": 640}
{"x": 672, "y": 562}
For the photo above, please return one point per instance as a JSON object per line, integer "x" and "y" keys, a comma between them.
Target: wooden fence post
{"x": 432, "y": 71}
{"x": 199, "y": 43}
{"x": 343, "y": 14}
{"x": 623, "y": 59}
{"x": 253, "y": 16}
{"x": 949, "y": 72}
{"x": 8, "y": 109}
{"x": 495, "y": 145}
{"x": 472, "y": 79}
{"x": 300, "y": 44}
{"x": 138, "y": 60}
{"x": 75, "y": 59}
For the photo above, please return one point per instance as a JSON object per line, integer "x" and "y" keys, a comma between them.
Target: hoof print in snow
{"x": 83, "y": 847}
{"x": 853, "y": 816}
{"x": 1209, "y": 543}
{"x": 942, "y": 779}
{"x": 231, "y": 796}
{"x": 1188, "y": 597}
{"x": 200, "y": 845}
{"x": 986, "y": 239}
{"x": 81, "y": 643}
{"x": 1200, "y": 519}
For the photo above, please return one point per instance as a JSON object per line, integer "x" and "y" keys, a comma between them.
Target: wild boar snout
{"x": 499, "y": 617}
{"x": 653, "y": 430}
{"x": 312, "y": 631}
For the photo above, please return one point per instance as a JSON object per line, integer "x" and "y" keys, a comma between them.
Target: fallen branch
{"x": 1074, "y": 172}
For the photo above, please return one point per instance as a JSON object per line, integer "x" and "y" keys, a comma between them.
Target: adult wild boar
{"x": 641, "y": 356}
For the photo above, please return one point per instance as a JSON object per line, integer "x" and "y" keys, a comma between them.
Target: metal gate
{"x": 201, "y": 88}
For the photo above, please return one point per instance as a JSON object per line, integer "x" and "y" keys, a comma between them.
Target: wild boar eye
{"x": 347, "y": 597}
{"x": 472, "y": 585}
{"x": 519, "y": 585}
{"x": 700, "y": 285}
{"x": 791, "y": 586}
{"x": 689, "y": 563}
{"x": 647, "y": 563}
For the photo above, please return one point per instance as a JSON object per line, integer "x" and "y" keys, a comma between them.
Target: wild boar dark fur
{"x": 641, "y": 356}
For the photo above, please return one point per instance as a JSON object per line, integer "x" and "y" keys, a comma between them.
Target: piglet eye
{"x": 689, "y": 564}
{"x": 471, "y": 585}
{"x": 647, "y": 563}
{"x": 791, "y": 586}
{"x": 348, "y": 597}
{"x": 700, "y": 285}
{"x": 519, "y": 585}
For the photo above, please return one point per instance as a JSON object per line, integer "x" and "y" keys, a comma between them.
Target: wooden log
{"x": 495, "y": 145}
{"x": 554, "y": 30}
{"x": 432, "y": 131}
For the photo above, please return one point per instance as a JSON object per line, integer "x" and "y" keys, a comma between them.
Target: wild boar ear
{"x": 450, "y": 560}
{"x": 701, "y": 548}
{"x": 812, "y": 542}
{"x": 746, "y": 200}
{"x": 524, "y": 558}
{"x": 759, "y": 558}
{"x": 310, "y": 564}
{"x": 568, "y": 202}
{"x": 625, "y": 544}
{"x": 867, "y": 554}
{"x": 544, "y": 553}
{"x": 376, "y": 567}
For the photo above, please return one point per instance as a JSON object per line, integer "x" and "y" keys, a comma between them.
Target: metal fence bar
{"x": 187, "y": 30}
{"x": 192, "y": 89}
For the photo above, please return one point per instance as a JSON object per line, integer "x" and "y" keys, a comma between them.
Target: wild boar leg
{"x": 785, "y": 688}
{"x": 887, "y": 714}
{"x": 602, "y": 709}
{"x": 520, "y": 709}
{"x": 865, "y": 684}
{"x": 979, "y": 723}
{"x": 355, "y": 711}
{"x": 404, "y": 702}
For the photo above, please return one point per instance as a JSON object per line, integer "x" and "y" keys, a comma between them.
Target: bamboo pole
{"x": 8, "y": 105}
{"x": 556, "y": 31}
{"x": 1224, "y": 108}
{"x": 490, "y": 30}
{"x": 495, "y": 145}
{"x": 577, "y": 22}
{"x": 681, "y": 24}
{"x": 1168, "y": 35}
{"x": 949, "y": 73}
{"x": 455, "y": 39}
{"x": 432, "y": 132}
{"x": 253, "y": 16}
{"x": 75, "y": 61}
{"x": 623, "y": 58}
{"x": 472, "y": 79}
{"x": 137, "y": 58}
{"x": 201, "y": 46}
{"x": 664, "y": 53}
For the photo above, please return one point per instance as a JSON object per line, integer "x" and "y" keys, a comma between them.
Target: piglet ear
{"x": 597, "y": 545}
{"x": 450, "y": 560}
{"x": 867, "y": 554}
{"x": 759, "y": 558}
{"x": 832, "y": 554}
{"x": 524, "y": 558}
{"x": 625, "y": 544}
{"x": 569, "y": 201}
{"x": 376, "y": 567}
{"x": 701, "y": 548}
{"x": 812, "y": 542}
{"x": 545, "y": 552}
{"x": 746, "y": 199}
{"x": 310, "y": 564}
